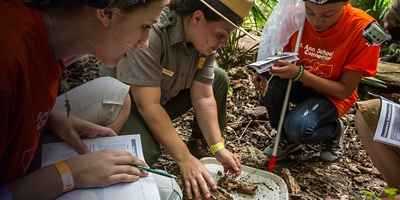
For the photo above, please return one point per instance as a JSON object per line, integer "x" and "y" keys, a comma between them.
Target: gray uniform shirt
{"x": 169, "y": 62}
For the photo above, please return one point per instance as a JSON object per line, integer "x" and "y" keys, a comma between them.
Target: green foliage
{"x": 233, "y": 116}
{"x": 365, "y": 87}
{"x": 373, "y": 82}
{"x": 369, "y": 194}
{"x": 97, "y": 63}
{"x": 389, "y": 191}
{"x": 233, "y": 54}
{"x": 258, "y": 15}
{"x": 391, "y": 53}
{"x": 375, "y": 8}
{"x": 224, "y": 134}
{"x": 230, "y": 90}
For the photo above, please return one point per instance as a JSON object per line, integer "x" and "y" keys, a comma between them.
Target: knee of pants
{"x": 168, "y": 188}
{"x": 108, "y": 71}
{"x": 136, "y": 125}
{"x": 151, "y": 148}
{"x": 297, "y": 130}
{"x": 220, "y": 87}
{"x": 151, "y": 155}
{"x": 108, "y": 113}
{"x": 221, "y": 79}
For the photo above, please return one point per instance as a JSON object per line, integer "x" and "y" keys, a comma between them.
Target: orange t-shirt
{"x": 343, "y": 47}
{"x": 28, "y": 86}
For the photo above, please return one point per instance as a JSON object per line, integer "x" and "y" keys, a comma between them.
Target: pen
{"x": 272, "y": 75}
{"x": 156, "y": 171}
{"x": 265, "y": 89}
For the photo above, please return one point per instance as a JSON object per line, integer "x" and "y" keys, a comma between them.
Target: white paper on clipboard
{"x": 388, "y": 128}
{"x": 270, "y": 186}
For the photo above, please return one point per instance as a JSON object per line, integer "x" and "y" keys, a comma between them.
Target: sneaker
{"x": 332, "y": 149}
{"x": 285, "y": 148}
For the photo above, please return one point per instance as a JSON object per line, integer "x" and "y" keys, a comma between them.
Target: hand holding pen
{"x": 261, "y": 83}
{"x": 266, "y": 87}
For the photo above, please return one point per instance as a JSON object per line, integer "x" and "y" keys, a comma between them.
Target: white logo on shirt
{"x": 42, "y": 119}
{"x": 318, "y": 53}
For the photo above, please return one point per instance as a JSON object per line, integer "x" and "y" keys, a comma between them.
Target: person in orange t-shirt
{"x": 333, "y": 59}
{"x": 34, "y": 40}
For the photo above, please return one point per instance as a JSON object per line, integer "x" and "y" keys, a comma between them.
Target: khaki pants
{"x": 98, "y": 101}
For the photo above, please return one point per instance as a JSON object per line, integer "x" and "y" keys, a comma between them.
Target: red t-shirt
{"x": 29, "y": 77}
{"x": 343, "y": 47}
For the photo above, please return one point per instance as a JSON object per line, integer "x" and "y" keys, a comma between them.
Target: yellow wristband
{"x": 65, "y": 175}
{"x": 216, "y": 147}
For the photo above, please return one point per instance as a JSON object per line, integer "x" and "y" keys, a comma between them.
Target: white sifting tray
{"x": 270, "y": 186}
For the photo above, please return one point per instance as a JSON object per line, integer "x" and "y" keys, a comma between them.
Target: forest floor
{"x": 250, "y": 132}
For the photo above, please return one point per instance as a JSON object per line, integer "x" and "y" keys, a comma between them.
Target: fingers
{"x": 232, "y": 172}
{"x": 284, "y": 69}
{"x": 238, "y": 168}
{"x": 106, "y": 132}
{"x": 230, "y": 162}
{"x": 209, "y": 179}
{"x": 94, "y": 131}
{"x": 262, "y": 77}
{"x": 188, "y": 188}
{"x": 122, "y": 178}
{"x": 234, "y": 163}
{"x": 129, "y": 170}
{"x": 125, "y": 158}
{"x": 78, "y": 144}
{"x": 195, "y": 189}
{"x": 238, "y": 172}
{"x": 198, "y": 185}
{"x": 128, "y": 159}
{"x": 260, "y": 82}
{"x": 122, "y": 159}
{"x": 196, "y": 178}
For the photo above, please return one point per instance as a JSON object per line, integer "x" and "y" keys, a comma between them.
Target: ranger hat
{"x": 233, "y": 11}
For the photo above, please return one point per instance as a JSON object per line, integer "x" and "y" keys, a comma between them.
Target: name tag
{"x": 201, "y": 62}
{"x": 167, "y": 72}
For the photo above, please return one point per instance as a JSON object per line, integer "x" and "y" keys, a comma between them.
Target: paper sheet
{"x": 388, "y": 128}
{"x": 142, "y": 189}
{"x": 265, "y": 65}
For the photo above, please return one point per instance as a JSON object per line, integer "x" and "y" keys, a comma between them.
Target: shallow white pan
{"x": 270, "y": 186}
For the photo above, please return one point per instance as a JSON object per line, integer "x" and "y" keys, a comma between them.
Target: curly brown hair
{"x": 392, "y": 20}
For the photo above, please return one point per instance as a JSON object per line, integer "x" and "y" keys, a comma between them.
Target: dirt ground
{"x": 248, "y": 129}
{"x": 248, "y": 134}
